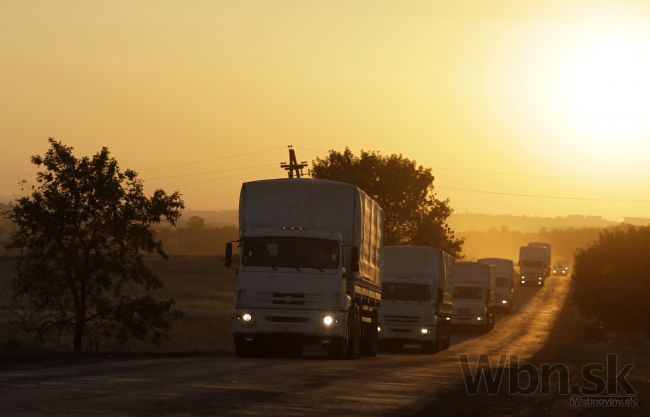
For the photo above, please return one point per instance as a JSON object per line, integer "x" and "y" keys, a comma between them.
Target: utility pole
{"x": 293, "y": 166}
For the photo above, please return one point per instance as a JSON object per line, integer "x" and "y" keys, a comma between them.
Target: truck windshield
{"x": 406, "y": 292}
{"x": 474, "y": 293}
{"x": 292, "y": 252}
{"x": 503, "y": 282}
{"x": 532, "y": 264}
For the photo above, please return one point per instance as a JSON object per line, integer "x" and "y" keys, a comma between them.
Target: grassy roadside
{"x": 203, "y": 290}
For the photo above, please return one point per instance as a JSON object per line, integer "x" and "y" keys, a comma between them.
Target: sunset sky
{"x": 536, "y": 98}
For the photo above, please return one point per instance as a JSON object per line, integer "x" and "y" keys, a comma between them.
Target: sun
{"x": 607, "y": 86}
{"x": 597, "y": 89}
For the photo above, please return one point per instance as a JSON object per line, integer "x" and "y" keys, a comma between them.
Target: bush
{"x": 611, "y": 279}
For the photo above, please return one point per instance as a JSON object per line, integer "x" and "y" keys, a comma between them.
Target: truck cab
{"x": 474, "y": 301}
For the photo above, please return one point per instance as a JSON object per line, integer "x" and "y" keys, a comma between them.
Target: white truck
{"x": 310, "y": 255}
{"x": 532, "y": 264}
{"x": 416, "y": 306}
{"x": 548, "y": 248}
{"x": 474, "y": 295}
{"x": 505, "y": 281}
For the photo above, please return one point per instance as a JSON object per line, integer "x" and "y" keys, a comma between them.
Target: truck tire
{"x": 370, "y": 342}
{"x": 354, "y": 334}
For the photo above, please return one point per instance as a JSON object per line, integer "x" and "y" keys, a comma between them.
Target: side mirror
{"x": 354, "y": 259}
{"x": 228, "y": 261}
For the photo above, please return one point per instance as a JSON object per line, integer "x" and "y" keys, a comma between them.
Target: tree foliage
{"x": 81, "y": 235}
{"x": 611, "y": 278}
{"x": 412, "y": 214}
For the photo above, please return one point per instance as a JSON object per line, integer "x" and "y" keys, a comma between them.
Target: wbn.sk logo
{"x": 600, "y": 384}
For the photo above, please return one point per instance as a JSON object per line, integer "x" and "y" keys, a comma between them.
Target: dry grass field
{"x": 203, "y": 290}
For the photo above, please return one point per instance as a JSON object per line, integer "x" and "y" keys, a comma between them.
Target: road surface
{"x": 389, "y": 384}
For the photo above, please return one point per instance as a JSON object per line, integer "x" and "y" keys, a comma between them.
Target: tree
{"x": 412, "y": 214}
{"x": 81, "y": 235}
{"x": 611, "y": 278}
{"x": 195, "y": 223}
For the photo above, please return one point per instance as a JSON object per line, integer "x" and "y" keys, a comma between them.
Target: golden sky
{"x": 556, "y": 92}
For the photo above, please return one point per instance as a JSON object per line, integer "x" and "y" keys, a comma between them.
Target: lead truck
{"x": 309, "y": 269}
{"x": 417, "y": 293}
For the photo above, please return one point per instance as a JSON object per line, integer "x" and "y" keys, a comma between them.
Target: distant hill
{"x": 462, "y": 222}
{"x": 213, "y": 217}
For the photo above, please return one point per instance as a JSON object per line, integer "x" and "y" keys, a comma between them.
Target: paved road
{"x": 389, "y": 384}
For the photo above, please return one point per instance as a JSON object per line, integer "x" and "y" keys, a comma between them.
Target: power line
{"x": 215, "y": 159}
{"x": 554, "y": 197}
{"x": 224, "y": 178}
{"x": 518, "y": 174}
{"x": 212, "y": 172}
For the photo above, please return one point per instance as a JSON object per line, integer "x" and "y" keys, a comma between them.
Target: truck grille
{"x": 401, "y": 319}
{"x": 463, "y": 311}
{"x": 400, "y": 330}
{"x": 288, "y": 299}
{"x": 279, "y": 319}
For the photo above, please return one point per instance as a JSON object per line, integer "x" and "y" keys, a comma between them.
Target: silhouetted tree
{"x": 81, "y": 234}
{"x": 196, "y": 222}
{"x": 611, "y": 278}
{"x": 412, "y": 214}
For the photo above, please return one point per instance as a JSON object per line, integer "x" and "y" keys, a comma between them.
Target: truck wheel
{"x": 354, "y": 334}
{"x": 370, "y": 343}
{"x": 243, "y": 349}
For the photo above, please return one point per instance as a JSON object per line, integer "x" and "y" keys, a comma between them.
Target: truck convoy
{"x": 309, "y": 270}
{"x": 532, "y": 264}
{"x": 474, "y": 295}
{"x": 505, "y": 281}
{"x": 417, "y": 293}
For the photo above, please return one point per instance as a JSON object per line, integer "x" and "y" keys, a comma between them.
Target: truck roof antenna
{"x": 293, "y": 166}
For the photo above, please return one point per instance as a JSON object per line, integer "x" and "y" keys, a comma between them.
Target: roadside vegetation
{"x": 611, "y": 279}
{"x": 80, "y": 236}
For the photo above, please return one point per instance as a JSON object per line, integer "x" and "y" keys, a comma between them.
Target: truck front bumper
{"x": 414, "y": 333}
{"x": 468, "y": 320}
{"x": 309, "y": 324}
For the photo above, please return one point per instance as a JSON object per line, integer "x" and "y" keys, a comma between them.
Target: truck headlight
{"x": 328, "y": 320}
{"x": 479, "y": 318}
{"x": 504, "y": 301}
{"x": 424, "y": 331}
{"x": 246, "y": 317}
{"x": 539, "y": 278}
{"x": 378, "y": 329}
{"x": 523, "y": 282}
